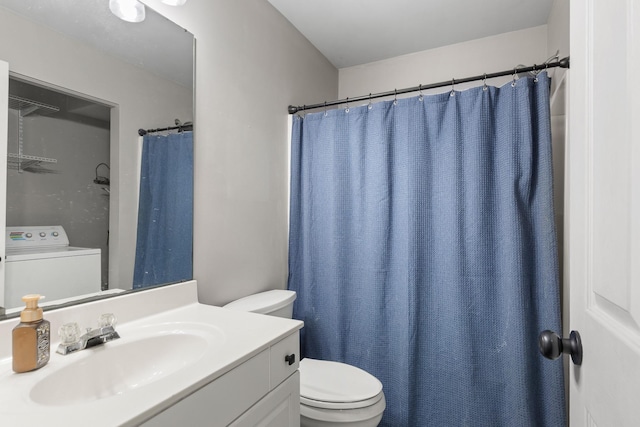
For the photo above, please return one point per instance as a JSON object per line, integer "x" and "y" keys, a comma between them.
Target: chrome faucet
{"x": 72, "y": 341}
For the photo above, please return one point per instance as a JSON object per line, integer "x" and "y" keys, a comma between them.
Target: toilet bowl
{"x": 334, "y": 393}
{"x": 331, "y": 393}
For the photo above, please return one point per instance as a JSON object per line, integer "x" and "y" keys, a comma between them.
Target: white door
{"x": 4, "y": 119}
{"x": 603, "y": 226}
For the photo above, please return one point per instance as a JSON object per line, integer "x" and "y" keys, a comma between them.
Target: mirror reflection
{"x": 57, "y": 176}
{"x": 82, "y": 83}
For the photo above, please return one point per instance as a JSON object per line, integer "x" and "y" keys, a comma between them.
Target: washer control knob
{"x": 55, "y": 234}
{"x": 43, "y": 234}
{"x": 28, "y": 235}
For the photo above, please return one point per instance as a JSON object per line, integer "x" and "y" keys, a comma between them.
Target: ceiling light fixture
{"x": 127, "y": 10}
{"x": 174, "y": 2}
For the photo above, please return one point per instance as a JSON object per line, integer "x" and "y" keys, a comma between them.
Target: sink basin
{"x": 140, "y": 358}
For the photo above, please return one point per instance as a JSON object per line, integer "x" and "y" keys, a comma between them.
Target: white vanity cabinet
{"x": 262, "y": 391}
{"x": 177, "y": 363}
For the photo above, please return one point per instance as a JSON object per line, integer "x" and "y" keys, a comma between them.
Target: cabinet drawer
{"x": 221, "y": 401}
{"x": 284, "y": 359}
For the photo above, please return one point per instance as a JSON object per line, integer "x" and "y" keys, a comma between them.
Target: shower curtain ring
{"x": 369, "y": 106}
{"x": 535, "y": 73}
{"x": 453, "y": 89}
{"x": 325, "y": 108}
{"x": 484, "y": 82}
{"x": 346, "y": 110}
{"x": 395, "y": 97}
{"x": 515, "y": 76}
{"x": 421, "y": 97}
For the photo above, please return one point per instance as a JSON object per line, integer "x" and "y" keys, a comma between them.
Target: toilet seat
{"x": 334, "y": 385}
{"x": 342, "y": 406}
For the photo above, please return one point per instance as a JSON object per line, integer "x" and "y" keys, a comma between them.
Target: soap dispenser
{"x": 31, "y": 337}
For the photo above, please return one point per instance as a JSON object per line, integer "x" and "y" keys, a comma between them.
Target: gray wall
{"x": 250, "y": 64}
{"x": 471, "y": 58}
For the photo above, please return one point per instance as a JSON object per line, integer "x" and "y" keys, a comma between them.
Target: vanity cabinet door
{"x": 279, "y": 408}
{"x": 284, "y": 359}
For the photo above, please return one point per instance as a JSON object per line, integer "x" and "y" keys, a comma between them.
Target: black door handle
{"x": 552, "y": 346}
{"x": 290, "y": 359}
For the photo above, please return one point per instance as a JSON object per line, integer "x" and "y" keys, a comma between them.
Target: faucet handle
{"x": 107, "y": 319}
{"x": 69, "y": 333}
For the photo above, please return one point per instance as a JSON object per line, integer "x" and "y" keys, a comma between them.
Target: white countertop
{"x": 240, "y": 336}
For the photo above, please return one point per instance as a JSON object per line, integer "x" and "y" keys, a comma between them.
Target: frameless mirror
{"x": 74, "y": 153}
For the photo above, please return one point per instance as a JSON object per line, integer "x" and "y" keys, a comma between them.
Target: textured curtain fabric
{"x": 165, "y": 210}
{"x": 423, "y": 250}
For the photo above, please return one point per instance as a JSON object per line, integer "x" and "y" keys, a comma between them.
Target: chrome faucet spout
{"x": 91, "y": 338}
{"x": 101, "y": 336}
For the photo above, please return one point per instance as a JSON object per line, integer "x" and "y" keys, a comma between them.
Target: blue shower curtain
{"x": 423, "y": 250}
{"x": 165, "y": 211}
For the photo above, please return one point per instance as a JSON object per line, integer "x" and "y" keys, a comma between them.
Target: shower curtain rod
{"x": 181, "y": 128}
{"x": 562, "y": 63}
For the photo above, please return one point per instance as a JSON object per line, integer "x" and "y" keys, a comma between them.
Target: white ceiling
{"x": 353, "y": 32}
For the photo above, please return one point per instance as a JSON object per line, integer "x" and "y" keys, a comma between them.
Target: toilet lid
{"x": 327, "y": 382}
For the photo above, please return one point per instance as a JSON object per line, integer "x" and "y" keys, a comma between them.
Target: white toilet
{"x": 331, "y": 393}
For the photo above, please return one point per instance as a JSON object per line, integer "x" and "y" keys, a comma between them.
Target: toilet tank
{"x": 274, "y": 303}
